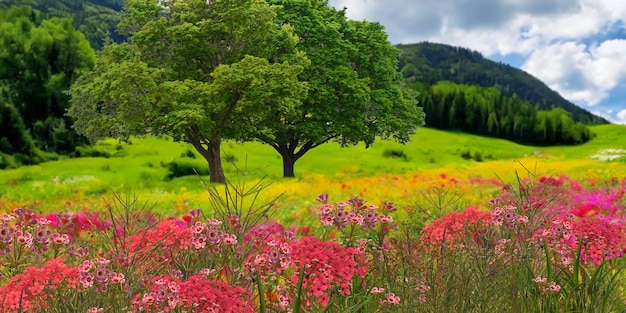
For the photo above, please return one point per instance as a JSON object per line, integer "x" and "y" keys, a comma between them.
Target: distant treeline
{"x": 487, "y": 111}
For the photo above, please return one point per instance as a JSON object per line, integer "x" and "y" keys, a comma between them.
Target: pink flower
{"x": 554, "y": 287}
{"x": 199, "y": 241}
{"x": 60, "y": 239}
{"x": 198, "y": 227}
{"x": 87, "y": 280}
{"x": 118, "y": 278}
{"x": 229, "y": 239}
{"x": 376, "y": 290}
{"x": 86, "y": 266}
{"x": 392, "y": 298}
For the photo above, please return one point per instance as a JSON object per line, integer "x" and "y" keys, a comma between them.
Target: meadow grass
{"x": 141, "y": 167}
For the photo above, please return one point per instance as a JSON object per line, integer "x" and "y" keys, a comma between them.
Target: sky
{"x": 576, "y": 47}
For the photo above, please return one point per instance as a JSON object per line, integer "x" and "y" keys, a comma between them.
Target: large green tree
{"x": 355, "y": 90}
{"x": 195, "y": 70}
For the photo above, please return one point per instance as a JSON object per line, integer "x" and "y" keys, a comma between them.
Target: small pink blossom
{"x": 229, "y": 239}
{"x": 60, "y": 239}
{"x": 376, "y": 290}
{"x": 118, "y": 278}
{"x": 391, "y": 298}
{"x": 554, "y": 287}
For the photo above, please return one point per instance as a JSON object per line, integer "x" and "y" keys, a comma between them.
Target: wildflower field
{"x": 538, "y": 232}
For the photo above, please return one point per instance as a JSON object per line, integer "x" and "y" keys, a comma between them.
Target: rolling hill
{"x": 429, "y": 63}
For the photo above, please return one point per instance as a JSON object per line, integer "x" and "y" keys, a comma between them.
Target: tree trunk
{"x": 287, "y": 152}
{"x": 289, "y": 162}
{"x": 212, "y": 155}
{"x": 216, "y": 173}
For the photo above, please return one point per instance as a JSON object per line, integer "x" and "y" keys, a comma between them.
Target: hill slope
{"x": 94, "y": 18}
{"x": 430, "y": 63}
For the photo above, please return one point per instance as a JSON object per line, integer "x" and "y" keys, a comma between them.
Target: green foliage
{"x": 92, "y": 151}
{"x": 428, "y": 63}
{"x": 40, "y": 59}
{"x": 96, "y": 19}
{"x": 487, "y": 111}
{"x": 395, "y": 154}
{"x": 184, "y": 167}
{"x": 188, "y": 154}
{"x": 195, "y": 70}
{"x": 14, "y": 137}
{"x": 355, "y": 92}
{"x": 7, "y": 161}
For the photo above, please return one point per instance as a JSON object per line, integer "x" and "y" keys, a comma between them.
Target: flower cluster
{"x": 163, "y": 296}
{"x": 602, "y": 239}
{"x": 327, "y": 265}
{"x": 24, "y": 235}
{"x": 354, "y": 212}
{"x": 196, "y": 294}
{"x": 169, "y": 236}
{"x": 452, "y": 228}
{"x": 207, "y": 235}
{"x": 551, "y": 287}
{"x": 276, "y": 257}
{"x": 96, "y": 273}
{"x": 33, "y": 288}
{"x": 507, "y": 217}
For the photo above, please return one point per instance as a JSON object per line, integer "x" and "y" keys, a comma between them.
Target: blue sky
{"x": 577, "y": 47}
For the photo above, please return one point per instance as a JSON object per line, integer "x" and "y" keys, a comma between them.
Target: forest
{"x": 487, "y": 111}
{"x": 39, "y": 60}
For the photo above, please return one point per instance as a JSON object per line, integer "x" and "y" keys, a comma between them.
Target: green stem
{"x": 262, "y": 308}
{"x": 296, "y": 306}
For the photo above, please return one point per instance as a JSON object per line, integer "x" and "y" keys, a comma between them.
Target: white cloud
{"x": 564, "y": 42}
{"x": 620, "y": 117}
{"x": 578, "y": 72}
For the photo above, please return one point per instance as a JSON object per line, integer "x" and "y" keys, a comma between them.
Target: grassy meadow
{"x": 385, "y": 171}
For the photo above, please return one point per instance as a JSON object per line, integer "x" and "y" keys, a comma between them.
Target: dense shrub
{"x": 395, "y": 154}
{"x": 185, "y": 167}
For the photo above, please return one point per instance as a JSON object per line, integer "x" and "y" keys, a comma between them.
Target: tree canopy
{"x": 355, "y": 90}
{"x": 194, "y": 70}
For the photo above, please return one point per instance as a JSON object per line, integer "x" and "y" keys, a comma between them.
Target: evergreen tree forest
{"x": 487, "y": 111}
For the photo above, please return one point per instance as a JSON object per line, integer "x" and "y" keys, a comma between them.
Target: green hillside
{"x": 97, "y": 19}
